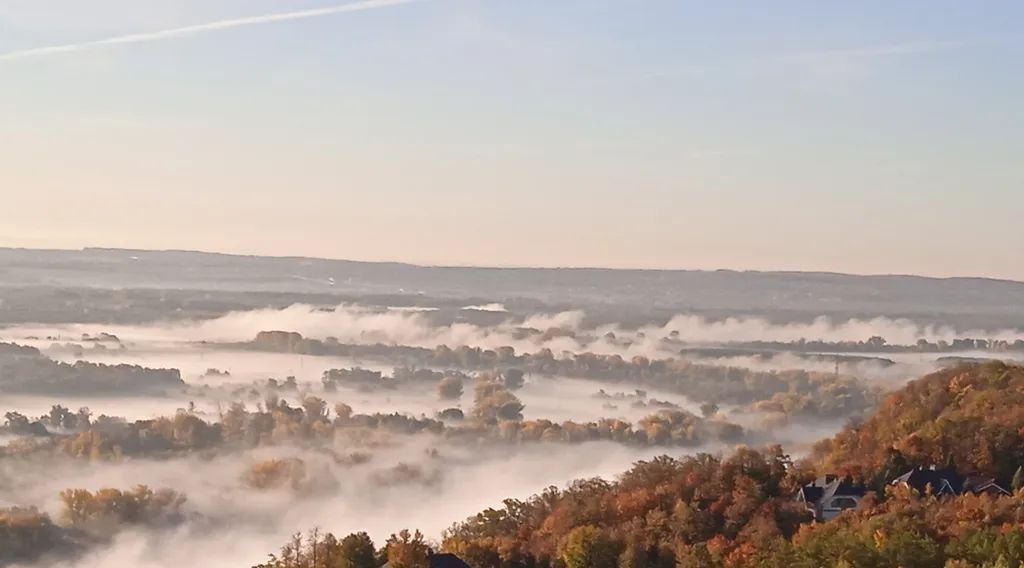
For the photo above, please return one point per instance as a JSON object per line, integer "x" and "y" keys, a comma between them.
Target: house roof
{"x": 920, "y": 478}
{"x": 811, "y": 494}
{"x": 446, "y": 561}
{"x": 979, "y": 484}
{"x": 844, "y": 486}
{"x": 829, "y": 486}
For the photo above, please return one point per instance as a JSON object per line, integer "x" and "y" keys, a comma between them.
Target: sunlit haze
{"x": 848, "y": 137}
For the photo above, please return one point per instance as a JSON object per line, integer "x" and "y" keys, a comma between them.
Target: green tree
{"x": 588, "y": 547}
{"x": 910, "y": 549}
{"x": 358, "y": 551}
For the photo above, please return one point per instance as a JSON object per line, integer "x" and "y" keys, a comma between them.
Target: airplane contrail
{"x": 201, "y": 28}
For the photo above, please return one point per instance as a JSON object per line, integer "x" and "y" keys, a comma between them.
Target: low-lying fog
{"x": 361, "y": 325}
{"x": 236, "y": 526}
{"x": 554, "y": 398}
{"x": 171, "y": 344}
{"x": 417, "y": 481}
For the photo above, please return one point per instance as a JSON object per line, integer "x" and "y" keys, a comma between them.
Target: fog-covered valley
{"x": 248, "y": 426}
{"x": 484, "y": 284}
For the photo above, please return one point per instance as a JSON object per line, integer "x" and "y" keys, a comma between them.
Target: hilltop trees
{"x": 972, "y": 416}
{"x": 718, "y": 515}
{"x": 589, "y": 547}
{"x": 357, "y": 551}
{"x": 655, "y": 512}
{"x": 406, "y": 550}
{"x": 706, "y": 511}
{"x": 323, "y": 550}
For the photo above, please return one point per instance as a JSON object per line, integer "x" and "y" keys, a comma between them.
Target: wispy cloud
{"x": 200, "y": 28}
{"x": 880, "y": 50}
{"x": 836, "y": 70}
{"x": 862, "y": 55}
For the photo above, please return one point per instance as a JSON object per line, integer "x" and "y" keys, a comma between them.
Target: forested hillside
{"x": 970, "y": 417}
{"x": 740, "y": 511}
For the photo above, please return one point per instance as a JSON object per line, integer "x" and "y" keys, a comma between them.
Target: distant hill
{"x": 974, "y": 301}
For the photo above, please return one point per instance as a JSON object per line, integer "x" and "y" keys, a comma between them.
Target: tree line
{"x": 495, "y": 417}
{"x": 823, "y": 395}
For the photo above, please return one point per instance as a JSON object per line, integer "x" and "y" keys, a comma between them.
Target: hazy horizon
{"x": 513, "y": 266}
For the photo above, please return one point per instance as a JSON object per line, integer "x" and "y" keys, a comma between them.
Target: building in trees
{"x": 830, "y": 495}
{"x": 979, "y": 484}
{"x": 948, "y": 481}
{"x": 443, "y": 560}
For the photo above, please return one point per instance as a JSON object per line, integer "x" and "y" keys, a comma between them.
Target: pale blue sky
{"x": 867, "y": 137}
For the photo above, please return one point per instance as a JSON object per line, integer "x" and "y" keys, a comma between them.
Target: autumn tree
{"x": 450, "y": 388}
{"x": 492, "y": 401}
{"x": 107, "y": 510}
{"x": 407, "y": 550}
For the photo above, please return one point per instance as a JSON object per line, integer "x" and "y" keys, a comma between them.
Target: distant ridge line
{"x": 524, "y": 268}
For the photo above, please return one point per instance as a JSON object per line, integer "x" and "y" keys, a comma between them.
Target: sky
{"x": 862, "y": 137}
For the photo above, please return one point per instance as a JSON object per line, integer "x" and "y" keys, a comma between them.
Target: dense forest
{"x": 971, "y": 417}
{"x": 740, "y": 511}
